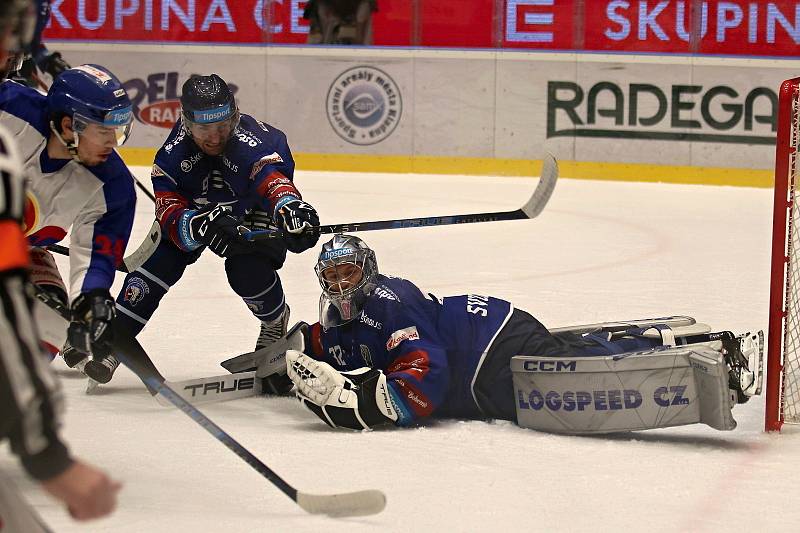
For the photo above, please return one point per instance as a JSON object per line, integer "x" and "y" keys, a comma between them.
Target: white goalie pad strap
{"x": 639, "y": 390}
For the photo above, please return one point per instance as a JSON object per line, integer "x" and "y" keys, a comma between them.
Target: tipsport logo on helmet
{"x": 119, "y": 117}
{"x": 364, "y": 105}
{"x": 333, "y": 254}
{"x": 156, "y": 100}
{"x": 212, "y": 115}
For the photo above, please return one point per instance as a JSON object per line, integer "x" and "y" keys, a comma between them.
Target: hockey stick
{"x": 531, "y": 209}
{"x": 136, "y": 258}
{"x": 243, "y": 381}
{"x": 215, "y": 388}
{"x": 131, "y": 354}
{"x": 142, "y": 253}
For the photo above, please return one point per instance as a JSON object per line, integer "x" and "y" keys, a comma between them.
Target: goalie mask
{"x": 346, "y": 270}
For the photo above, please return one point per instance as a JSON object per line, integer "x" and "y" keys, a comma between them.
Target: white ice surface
{"x": 599, "y": 251}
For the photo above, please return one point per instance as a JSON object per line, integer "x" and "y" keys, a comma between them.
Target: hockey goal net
{"x": 783, "y": 344}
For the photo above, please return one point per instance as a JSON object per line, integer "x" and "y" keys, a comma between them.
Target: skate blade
{"x": 91, "y": 386}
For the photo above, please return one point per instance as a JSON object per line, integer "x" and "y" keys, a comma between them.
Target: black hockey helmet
{"x": 207, "y": 100}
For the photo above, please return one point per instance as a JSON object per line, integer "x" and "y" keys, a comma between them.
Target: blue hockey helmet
{"x": 208, "y": 100}
{"x": 90, "y": 94}
{"x": 347, "y": 270}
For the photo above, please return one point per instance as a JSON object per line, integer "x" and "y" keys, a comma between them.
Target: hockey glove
{"x": 53, "y": 64}
{"x": 300, "y": 224}
{"x": 90, "y": 330}
{"x": 215, "y": 227}
{"x": 359, "y": 399}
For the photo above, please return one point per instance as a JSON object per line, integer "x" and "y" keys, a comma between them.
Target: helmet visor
{"x": 116, "y": 126}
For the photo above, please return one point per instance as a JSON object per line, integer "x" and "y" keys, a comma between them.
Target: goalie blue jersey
{"x": 430, "y": 349}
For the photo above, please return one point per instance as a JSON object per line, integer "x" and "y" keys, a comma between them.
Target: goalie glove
{"x": 359, "y": 399}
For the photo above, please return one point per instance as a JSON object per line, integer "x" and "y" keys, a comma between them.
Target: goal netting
{"x": 783, "y": 362}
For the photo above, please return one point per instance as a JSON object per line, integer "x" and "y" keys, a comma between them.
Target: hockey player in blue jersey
{"x": 384, "y": 352}
{"x": 77, "y": 183}
{"x": 220, "y": 173}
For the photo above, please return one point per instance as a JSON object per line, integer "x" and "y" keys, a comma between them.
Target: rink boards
{"x": 632, "y": 117}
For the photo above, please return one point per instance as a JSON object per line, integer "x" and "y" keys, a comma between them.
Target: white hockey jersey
{"x": 96, "y": 202}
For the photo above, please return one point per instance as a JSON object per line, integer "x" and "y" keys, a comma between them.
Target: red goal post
{"x": 783, "y": 341}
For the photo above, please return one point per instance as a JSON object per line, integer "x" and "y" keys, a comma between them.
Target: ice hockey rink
{"x": 599, "y": 251}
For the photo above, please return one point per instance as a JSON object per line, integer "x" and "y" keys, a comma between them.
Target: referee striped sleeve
{"x": 30, "y": 395}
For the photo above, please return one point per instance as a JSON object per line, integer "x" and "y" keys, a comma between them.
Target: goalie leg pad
{"x": 633, "y": 391}
{"x": 359, "y": 399}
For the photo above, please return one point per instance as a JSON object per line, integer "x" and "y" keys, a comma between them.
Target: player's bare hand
{"x": 87, "y": 491}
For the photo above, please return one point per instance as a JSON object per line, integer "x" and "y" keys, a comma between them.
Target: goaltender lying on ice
{"x": 384, "y": 352}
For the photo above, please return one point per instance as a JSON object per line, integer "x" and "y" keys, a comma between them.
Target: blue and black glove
{"x": 215, "y": 227}
{"x": 300, "y": 224}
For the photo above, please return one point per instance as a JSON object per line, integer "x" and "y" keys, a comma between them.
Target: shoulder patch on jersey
{"x": 405, "y": 334}
{"x": 171, "y": 143}
{"x": 135, "y": 291}
{"x": 270, "y": 159}
{"x": 385, "y": 292}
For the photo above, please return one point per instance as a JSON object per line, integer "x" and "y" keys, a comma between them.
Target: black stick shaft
{"x": 131, "y": 354}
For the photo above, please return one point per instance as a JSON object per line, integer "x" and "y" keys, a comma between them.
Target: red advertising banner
{"x": 731, "y": 27}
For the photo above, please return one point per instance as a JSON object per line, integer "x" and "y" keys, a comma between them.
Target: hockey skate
{"x": 72, "y": 357}
{"x": 273, "y": 330}
{"x": 270, "y": 333}
{"x": 101, "y": 370}
{"x": 745, "y": 358}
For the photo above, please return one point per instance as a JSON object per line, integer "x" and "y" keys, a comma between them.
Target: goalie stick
{"x": 243, "y": 381}
{"x": 131, "y": 354}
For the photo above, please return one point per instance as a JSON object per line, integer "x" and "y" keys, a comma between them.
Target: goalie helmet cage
{"x": 783, "y": 344}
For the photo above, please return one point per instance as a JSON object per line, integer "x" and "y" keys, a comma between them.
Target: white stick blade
{"x": 145, "y": 250}
{"x": 547, "y": 183}
{"x": 214, "y": 388}
{"x": 361, "y": 503}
